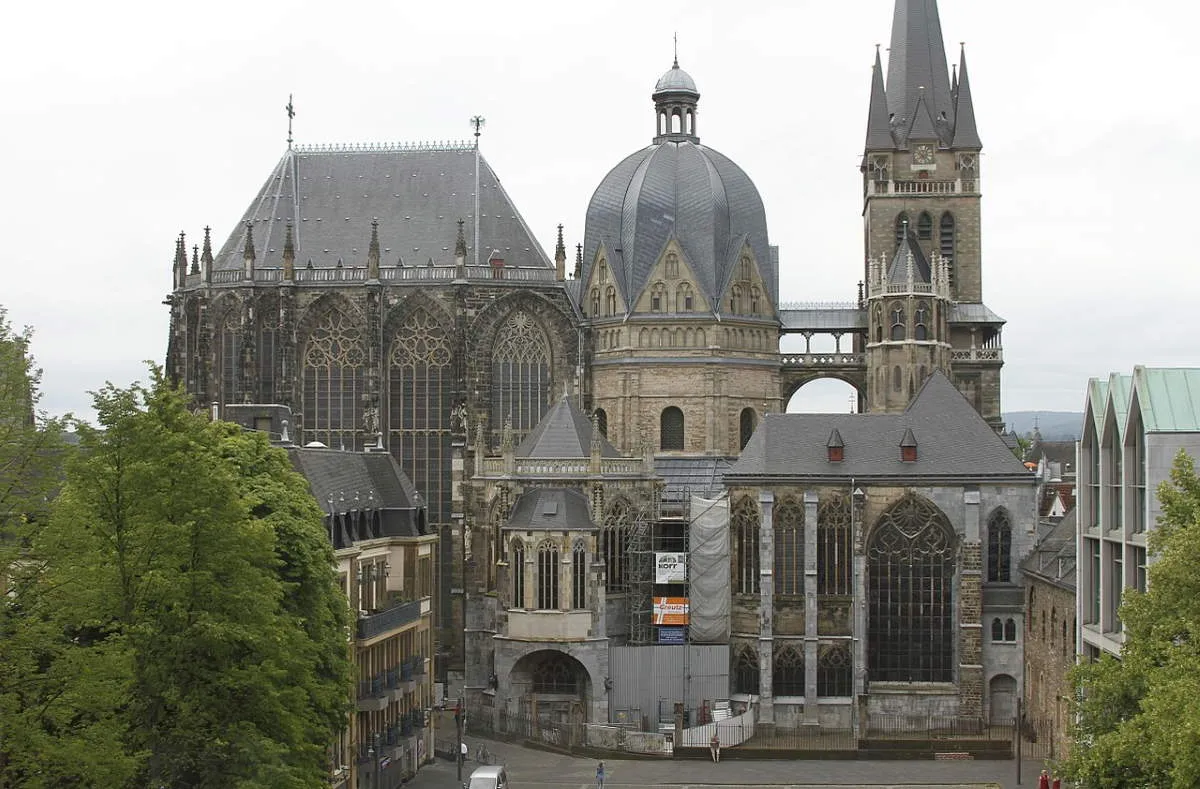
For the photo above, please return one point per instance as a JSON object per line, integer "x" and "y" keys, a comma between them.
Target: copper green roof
{"x": 1169, "y": 398}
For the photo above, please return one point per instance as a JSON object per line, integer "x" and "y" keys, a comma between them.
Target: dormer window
{"x": 835, "y": 447}
{"x": 908, "y": 446}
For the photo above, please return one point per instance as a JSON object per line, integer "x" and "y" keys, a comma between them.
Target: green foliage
{"x": 1138, "y": 722}
{"x": 195, "y": 634}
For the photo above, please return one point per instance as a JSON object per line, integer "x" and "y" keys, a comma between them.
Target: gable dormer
{"x": 602, "y": 298}
{"x": 745, "y": 290}
{"x": 672, "y": 287}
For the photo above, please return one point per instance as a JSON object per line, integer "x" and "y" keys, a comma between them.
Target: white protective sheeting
{"x": 708, "y": 542}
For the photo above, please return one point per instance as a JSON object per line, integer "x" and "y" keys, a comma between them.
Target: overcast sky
{"x": 124, "y": 123}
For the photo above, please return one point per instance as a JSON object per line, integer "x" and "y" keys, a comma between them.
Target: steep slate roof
{"x": 1169, "y": 398}
{"x": 917, "y": 59}
{"x": 1053, "y": 559}
{"x": 953, "y": 443}
{"x": 352, "y": 479}
{"x": 965, "y": 133}
{"x": 1063, "y": 491}
{"x": 879, "y": 126}
{"x": 331, "y": 195}
{"x": 898, "y": 270}
{"x": 550, "y": 509}
{"x": 564, "y": 432}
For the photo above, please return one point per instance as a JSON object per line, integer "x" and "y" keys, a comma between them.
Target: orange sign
{"x": 670, "y": 610}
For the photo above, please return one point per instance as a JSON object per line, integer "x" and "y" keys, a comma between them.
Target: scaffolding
{"x": 640, "y": 597}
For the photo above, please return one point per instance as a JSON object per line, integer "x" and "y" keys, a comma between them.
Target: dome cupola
{"x": 675, "y": 98}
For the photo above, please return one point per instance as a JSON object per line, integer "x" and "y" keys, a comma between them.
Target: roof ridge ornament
{"x": 291, "y": 113}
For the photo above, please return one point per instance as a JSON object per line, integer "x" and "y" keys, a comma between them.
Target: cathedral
{"x": 599, "y": 439}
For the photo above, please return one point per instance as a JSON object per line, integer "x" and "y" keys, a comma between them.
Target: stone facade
{"x": 1049, "y": 657}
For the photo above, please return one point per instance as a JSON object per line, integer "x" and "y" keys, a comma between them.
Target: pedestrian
{"x": 600, "y": 776}
{"x": 714, "y": 747}
{"x": 1044, "y": 780}
{"x": 463, "y": 751}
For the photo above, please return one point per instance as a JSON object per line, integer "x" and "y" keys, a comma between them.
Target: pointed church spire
{"x": 195, "y": 269}
{"x": 916, "y": 60}
{"x": 965, "y": 133}
{"x": 578, "y": 261}
{"x": 879, "y": 127}
{"x": 373, "y": 251}
{"x": 179, "y": 265}
{"x": 289, "y": 254}
{"x": 206, "y": 256}
{"x": 560, "y": 257}
{"x": 460, "y": 242}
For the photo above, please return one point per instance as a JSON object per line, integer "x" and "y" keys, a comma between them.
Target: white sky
{"x": 124, "y": 123}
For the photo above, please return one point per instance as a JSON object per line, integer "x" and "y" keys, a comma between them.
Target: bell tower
{"x": 921, "y": 200}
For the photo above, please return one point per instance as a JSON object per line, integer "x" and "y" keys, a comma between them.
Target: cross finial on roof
{"x": 478, "y": 121}
{"x": 291, "y": 113}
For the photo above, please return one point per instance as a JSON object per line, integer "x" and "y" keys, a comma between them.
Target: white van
{"x": 489, "y": 777}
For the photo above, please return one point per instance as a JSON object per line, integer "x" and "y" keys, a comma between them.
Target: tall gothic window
{"x": 787, "y": 672}
{"x": 835, "y": 670}
{"x": 834, "y": 555}
{"x": 230, "y": 356}
{"x": 517, "y": 564}
{"x": 946, "y": 244}
{"x": 999, "y": 547}
{"x": 743, "y": 527}
{"x": 924, "y": 226}
{"x": 910, "y": 611}
{"x": 897, "y": 332}
{"x": 747, "y": 422}
{"x": 520, "y": 375}
{"x": 614, "y": 539}
{"x": 602, "y": 421}
{"x": 420, "y": 388}
{"x": 671, "y": 429}
{"x": 788, "y": 522}
{"x": 267, "y": 351}
{"x": 579, "y": 576}
{"x": 334, "y": 371}
{"x": 547, "y": 576}
{"x": 921, "y": 319}
{"x": 610, "y": 301}
{"x": 745, "y": 671}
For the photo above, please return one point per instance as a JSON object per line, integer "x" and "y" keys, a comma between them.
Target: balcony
{"x": 372, "y": 693}
{"x": 399, "y": 615}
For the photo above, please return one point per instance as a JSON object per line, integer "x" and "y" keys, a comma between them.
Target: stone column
{"x": 766, "y": 611}
{"x": 811, "y": 710}
{"x": 970, "y": 593}
{"x": 858, "y": 520}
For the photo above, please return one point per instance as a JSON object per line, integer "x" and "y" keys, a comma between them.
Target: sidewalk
{"x": 547, "y": 770}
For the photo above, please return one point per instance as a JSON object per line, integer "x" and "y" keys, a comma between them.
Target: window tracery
{"x": 334, "y": 371}
{"x": 744, "y": 525}
{"x": 834, "y": 546}
{"x": 835, "y": 670}
{"x": 999, "y": 547}
{"x": 787, "y": 672}
{"x": 420, "y": 393}
{"x": 547, "y": 577}
{"x": 910, "y": 576}
{"x": 615, "y": 543}
{"x": 520, "y": 375}
{"x": 788, "y": 523}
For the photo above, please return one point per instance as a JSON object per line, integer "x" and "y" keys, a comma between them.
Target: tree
{"x": 186, "y": 567}
{"x": 31, "y": 452}
{"x": 1138, "y": 723}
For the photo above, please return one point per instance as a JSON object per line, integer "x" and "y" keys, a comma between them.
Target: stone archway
{"x": 1002, "y": 699}
{"x": 553, "y": 691}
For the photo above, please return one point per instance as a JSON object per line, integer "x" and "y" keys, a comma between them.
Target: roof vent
{"x": 549, "y": 508}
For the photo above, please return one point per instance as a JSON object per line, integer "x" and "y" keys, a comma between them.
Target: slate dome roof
{"x": 676, "y": 79}
{"x": 678, "y": 188}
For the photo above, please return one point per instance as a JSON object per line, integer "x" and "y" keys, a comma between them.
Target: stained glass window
{"x": 787, "y": 673}
{"x": 910, "y": 579}
{"x": 420, "y": 378}
{"x": 547, "y": 576}
{"x": 835, "y": 670}
{"x": 334, "y": 370}
{"x": 834, "y": 556}
{"x": 743, "y": 525}
{"x": 999, "y": 547}
{"x": 520, "y": 375}
{"x": 615, "y": 544}
{"x": 788, "y": 523}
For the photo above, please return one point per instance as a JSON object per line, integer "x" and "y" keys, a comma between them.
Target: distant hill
{"x": 1054, "y": 425}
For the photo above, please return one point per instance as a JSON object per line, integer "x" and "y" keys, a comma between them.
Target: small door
{"x": 1002, "y": 699}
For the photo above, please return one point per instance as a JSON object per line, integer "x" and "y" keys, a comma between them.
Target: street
{"x": 535, "y": 768}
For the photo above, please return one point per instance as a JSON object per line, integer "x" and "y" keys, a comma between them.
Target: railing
{"x": 823, "y": 360}
{"x": 924, "y": 727}
{"x": 571, "y": 467}
{"x": 398, "y": 615}
{"x": 373, "y": 687}
{"x": 921, "y": 186}
{"x": 978, "y": 355}
{"x": 439, "y": 272}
